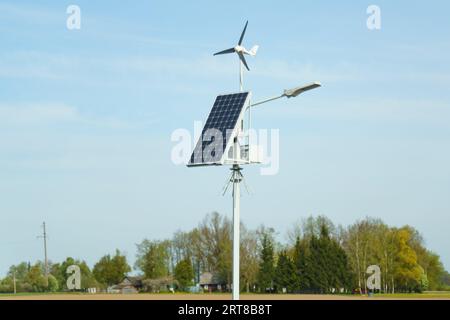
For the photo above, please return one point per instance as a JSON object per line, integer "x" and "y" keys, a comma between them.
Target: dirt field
{"x": 213, "y": 297}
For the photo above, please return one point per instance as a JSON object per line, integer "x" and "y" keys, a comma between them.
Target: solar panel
{"x": 218, "y": 130}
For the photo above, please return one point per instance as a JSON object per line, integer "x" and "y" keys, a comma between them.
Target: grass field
{"x": 184, "y": 296}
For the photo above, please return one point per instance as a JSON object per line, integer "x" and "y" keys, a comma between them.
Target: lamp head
{"x": 298, "y": 90}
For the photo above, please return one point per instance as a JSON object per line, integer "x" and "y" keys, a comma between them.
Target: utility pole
{"x": 44, "y": 236}
{"x": 14, "y": 280}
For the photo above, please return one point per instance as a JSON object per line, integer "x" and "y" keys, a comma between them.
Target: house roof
{"x": 209, "y": 278}
{"x": 130, "y": 281}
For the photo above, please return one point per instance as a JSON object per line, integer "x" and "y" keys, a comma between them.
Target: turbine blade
{"x": 231, "y": 50}
{"x": 243, "y": 33}
{"x": 241, "y": 56}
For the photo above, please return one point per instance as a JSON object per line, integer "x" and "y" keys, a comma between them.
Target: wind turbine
{"x": 241, "y": 51}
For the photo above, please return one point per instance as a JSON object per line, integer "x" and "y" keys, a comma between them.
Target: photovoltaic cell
{"x": 218, "y": 129}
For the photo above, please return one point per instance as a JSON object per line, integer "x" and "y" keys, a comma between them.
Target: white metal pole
{"x": 236, "y": 223}
{"x": 241, "y": 76}
{"x": 236, "y": 202}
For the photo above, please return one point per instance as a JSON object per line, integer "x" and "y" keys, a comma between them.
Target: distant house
{"x": 210, "y": 282}
{"x": 163, "y": 284}
{"x": 128, "y": 285}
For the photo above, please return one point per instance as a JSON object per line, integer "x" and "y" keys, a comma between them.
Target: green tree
{"x": 184, "y": 273}
{"x": 53, "y": 285}
{"x": 371, "y": 242}
{"x": 424, "y": 283}
{"x": 285, "y": 275}
{"x": 434, "y": 269}
{"x": 300, "y": 262}
{"x": 110, "y": 271}
{"x": 344, "y": 278}
{"x": 428, "y": 260}
{"x": 20, "y": 270}
{"x": 36, "y": 279}
{"x": 153, "y": 258}
{"x": 59, "y": 271}
{"x": 266, "y": 271}
{"x": 317, "y": 266}
{"x": 210, "y": 245}
{"x": 181, "y": 246}
{"x": 6, "y": 285}
{"x": 327, "y": 266}
{"x": 213, "y": 245}
{"x": 445, "y": 281}
{"x": 249, "y": 258}
{"x": 408, "y": 272}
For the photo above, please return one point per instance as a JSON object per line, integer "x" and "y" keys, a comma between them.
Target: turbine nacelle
{"x": 252, "y": 52}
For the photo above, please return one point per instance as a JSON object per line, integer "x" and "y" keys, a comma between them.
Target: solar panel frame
{"x": 225, "y": 118}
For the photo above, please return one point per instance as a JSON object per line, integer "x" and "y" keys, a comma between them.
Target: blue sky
{"x": 86, "y": 118}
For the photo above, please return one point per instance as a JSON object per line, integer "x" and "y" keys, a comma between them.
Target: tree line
{"x": 317, "y": 257}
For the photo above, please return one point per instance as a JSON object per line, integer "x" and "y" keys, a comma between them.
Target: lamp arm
{"x": 266, "y": 100}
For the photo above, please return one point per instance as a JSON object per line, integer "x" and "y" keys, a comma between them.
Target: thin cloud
{"x": 39, "y": 114}
{"x": 29, "y": 13}
{"x": 433, "y": 112}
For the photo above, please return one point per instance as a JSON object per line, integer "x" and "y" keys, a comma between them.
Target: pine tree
{"x": 266, "y": 267}
{"x": 327, "y": 264}
{"x": 317, "y": 270}
{"x": 301, "y": 268}
{"x": 330, "y": 271}
{"x": 285, "y": 275}
{"x": 344, "y": 278}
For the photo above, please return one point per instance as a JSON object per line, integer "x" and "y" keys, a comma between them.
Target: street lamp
{"x": 236, "y": 125}
{"x": 289, "y": 93}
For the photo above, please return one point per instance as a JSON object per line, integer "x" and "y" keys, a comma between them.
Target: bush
{"x": 184, "y": 273}
{"x": 6, "y": 288}
{"x": 52, "y": 284}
